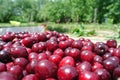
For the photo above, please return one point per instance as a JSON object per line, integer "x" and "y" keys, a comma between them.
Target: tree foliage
{"x": 59, "y": 10}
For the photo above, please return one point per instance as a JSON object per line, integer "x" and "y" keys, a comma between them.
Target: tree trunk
{"x": 77, "y": 18}
{"x": 95, "y": 15}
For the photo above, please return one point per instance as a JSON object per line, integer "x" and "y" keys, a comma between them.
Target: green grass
{"x": 67, "y": 28}
{"x": 92, "y": 26}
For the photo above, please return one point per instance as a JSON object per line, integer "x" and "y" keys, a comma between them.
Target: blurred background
{"x": 98, "y": 18}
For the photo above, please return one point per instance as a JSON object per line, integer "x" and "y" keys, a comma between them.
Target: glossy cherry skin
{"x": 28, "y": 42}
{"x": 103, "y": 74}
{"x": 53, "y": 38}
{"x": 116, "y": 73}
{"x": 6, "y": 76}
{"x": 100, "y": 48}
{"x": 50, "y": 79}
{"x": 63, "y": 45}
{"x": 2, "y": 67}
{"x": 39, "y": 37}
{"x": 30, "y": 77}
{"x": 84, "y": 66}
{"x": 45, "y": 69}
{"x": 5, "y": 56}
{"x": 77, "y": 44}
{"x": 8, "y": 37}
{"x": 22, "y": 62}
{"x": 111, "y": 43}
{"x": 70, "y": 40}
{"x": 55, "y": 59}
{"x": 42, "y": 56}
{"x": 32, "y": 55}
{"x": 98, "y": 58}
{"x": 51, "y": 45}
{"x": 9, "y": 65}
{"x": 30, "y": 68}
{"x": 107, "y": 55}
{"x": 67, "y": 61}
{"x": 97, "y": 65}
{"x": 75, "y": 53}
{"x": 111, "y": 50}
{"x": 16, "y": 71}
{"x": 15, "y": 44}
{"x": 87, "y": 48}
{"x": 55, "y": 33}
{"x": 38, "y": 47}
{"x": 61, "y": 38}
{"x": 29, "y": 50}
{"x": 8, "y": 44}
{"x": 24, "y": 73}
{"x": 87, "y": 75}
{"x": 116, "y": 52}
{"x": 59, "y": 52}
{"x": 115, "y": 59}
{"x": 110, "y": 64}
{"x": 48, "y": 53}
{"x": 67, "y": 51}
{"x": 19, "y": 51}
{"x": 1, "y": 47}
{"x": 2, "y": 42}
{"x": 87, "y": 56}
{"x": 67, "y": 72}
{"x": 89, "y": 43}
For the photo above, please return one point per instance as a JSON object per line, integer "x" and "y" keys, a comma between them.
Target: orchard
{"x": 55, "y": 56}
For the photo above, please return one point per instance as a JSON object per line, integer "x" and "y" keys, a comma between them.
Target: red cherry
{"x": 19, "y": 51}
{"x": 103, "y": 74}
{"x": 45, "y": 69}
{"x": 116, "y": 73}
{"x": 22, "y": 62}
{"x": 51, "y": 45}
{"x": 77, "y": 44}
{"x": 63, "y": 45}
{"x": 67, "y": 72}
{"x": 75, "y": 53}
{"x": 42, "y": 56}
{"x": 87, "y": 75}
{"x": 28, "y": 42}
{"x": 84, "y": 66}
{"x": 16, "y": 71}
{"x": 55, "y": 59}
{"x": 116, "y": 52}
{"x": 111, "y": 43}
{"x": 32, "y": 55}
{"x": 59, "y": 52}
{"x": 87, "y": 56}
{"x": 30, "y": 68}
{"x": 96, "y": 65}
{"x": 6, "y": 76}
{"x": 30, "y": 77}
{"x": 2, "y": 67}
{"x": 67, "y": 61}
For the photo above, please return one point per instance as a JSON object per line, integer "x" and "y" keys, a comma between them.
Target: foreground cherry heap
{"x": 55, "y": 56}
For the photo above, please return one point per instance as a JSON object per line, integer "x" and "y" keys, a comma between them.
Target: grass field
{"x": 103, "y": 31}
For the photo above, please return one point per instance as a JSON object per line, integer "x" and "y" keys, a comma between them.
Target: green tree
{"x": 6, "y": 7}
{"x": 114, "y": 11}
{"x": 102, "y": 9}
{"x": 24, "y": 10}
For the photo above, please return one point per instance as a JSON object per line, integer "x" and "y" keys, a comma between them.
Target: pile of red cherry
{"x": 55, "y": 56}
